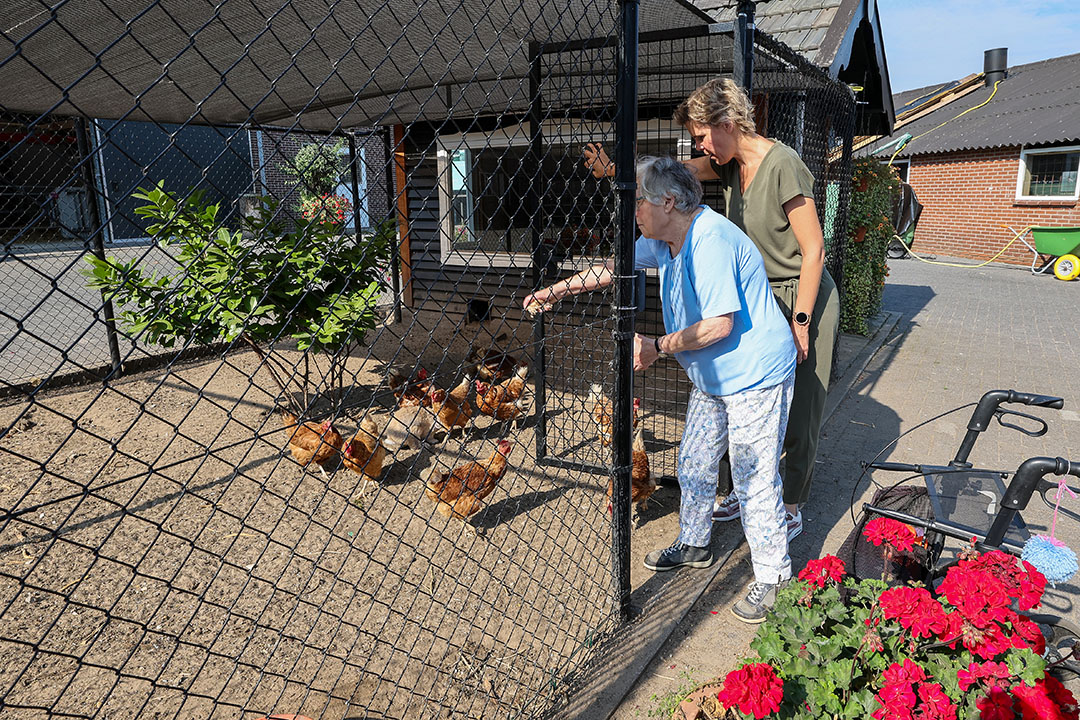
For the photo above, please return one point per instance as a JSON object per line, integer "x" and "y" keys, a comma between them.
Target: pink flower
{"x": 997, "y": 705}
{"x": 818, "y": 572}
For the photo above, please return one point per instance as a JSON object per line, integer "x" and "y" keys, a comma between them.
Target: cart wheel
{"x": 1067, "y": 267}
{"x": 1059, "y": 650}
{"x": 896, "y": 249}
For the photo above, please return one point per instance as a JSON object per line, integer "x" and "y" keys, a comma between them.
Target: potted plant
{"x": 836, "y": 647}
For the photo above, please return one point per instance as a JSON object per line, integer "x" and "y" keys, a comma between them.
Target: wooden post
{"x": 402, "y": 197}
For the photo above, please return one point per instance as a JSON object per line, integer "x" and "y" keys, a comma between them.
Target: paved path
{"x": 961, "y": 332}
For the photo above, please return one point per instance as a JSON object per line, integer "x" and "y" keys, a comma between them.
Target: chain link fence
{"x": 320, "y": 461}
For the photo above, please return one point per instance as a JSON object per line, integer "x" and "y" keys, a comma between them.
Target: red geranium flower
{"x": 890, "y": 531}
{"x": 907, "y": 672}
{"x": 997, "y": 705}
{"x": 914, "y": 609}
{"x": 754, "y": 688}
{"x": 990, "y": 671}
{"x": 934, "y": 703}
{"x": 818, "y": 572}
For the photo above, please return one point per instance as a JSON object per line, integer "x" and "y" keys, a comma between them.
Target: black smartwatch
{"x": 801, "y": 318}
{"x": 656, "y": 344}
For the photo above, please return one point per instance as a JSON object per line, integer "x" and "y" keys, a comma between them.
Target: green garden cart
{"x": 1055, "y": 247}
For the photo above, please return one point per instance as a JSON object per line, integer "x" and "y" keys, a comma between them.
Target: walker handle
{"x": 984, "y": 412}
{"x": 1028, "y": 477}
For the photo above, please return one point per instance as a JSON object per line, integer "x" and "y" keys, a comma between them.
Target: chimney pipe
{"x": 995, "y": 65}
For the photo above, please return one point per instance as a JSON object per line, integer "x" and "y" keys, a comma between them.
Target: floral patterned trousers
{"x": 751, "y": 424}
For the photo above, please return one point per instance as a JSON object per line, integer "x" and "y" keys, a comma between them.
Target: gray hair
{"x": 660, "y": 177}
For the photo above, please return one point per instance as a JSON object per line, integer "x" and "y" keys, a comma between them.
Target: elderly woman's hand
{"x": 644, "y": 352}
{"x": 597, "y": 161}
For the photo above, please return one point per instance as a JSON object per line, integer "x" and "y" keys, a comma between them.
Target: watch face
{"x": 802, "y": 318}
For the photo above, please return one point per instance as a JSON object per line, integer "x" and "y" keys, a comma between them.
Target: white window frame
{"x": 1021, "y": 171}
{"x": 906, "y": 164}
{"x": 518, "y": 135}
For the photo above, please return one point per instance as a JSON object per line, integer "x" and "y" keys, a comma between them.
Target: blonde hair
{"x": 716, "y": 102}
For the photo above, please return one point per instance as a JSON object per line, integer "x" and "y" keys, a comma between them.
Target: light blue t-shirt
{"x": 719, "y": 271}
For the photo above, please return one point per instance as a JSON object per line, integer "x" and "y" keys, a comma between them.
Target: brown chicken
{"x": 452, "y": 408}
{"x": 364, "y": 454}
{"x": 409, "y": 392}
{"x": 603, "y": 413}
{"x": 312, "y": 442}
{"x": 642, "y": 484}
{"x": 494, "y": 365}
{"x": 502, "y": 401}
{"x": 460, "y": 492}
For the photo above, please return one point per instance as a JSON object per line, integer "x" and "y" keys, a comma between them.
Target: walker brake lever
{"x": 1001, "y": 412}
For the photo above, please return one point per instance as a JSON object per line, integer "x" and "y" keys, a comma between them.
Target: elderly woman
{"x": 769, "y": 193}
{"x": 728, "y": 333}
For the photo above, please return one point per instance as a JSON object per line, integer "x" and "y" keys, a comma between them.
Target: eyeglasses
{"x": 638, "y": 201}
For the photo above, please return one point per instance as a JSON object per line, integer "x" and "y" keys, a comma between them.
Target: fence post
{"x": 744, "y": 45}
{"x": 355, "y": 182}
{"x": 391, "y": 214}
{"x": 97, "y": 245}
{"x": 626, "y": 99}
{"x": 540, "y": 259}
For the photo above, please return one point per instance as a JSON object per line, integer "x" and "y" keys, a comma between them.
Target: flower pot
{"x": 701, "y": 704}
{"x": 860, "y": 234}
{"x": 862, "y": 184}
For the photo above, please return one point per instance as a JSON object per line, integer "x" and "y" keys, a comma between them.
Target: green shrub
{"x": 874, "y": 190}
{"x": 257, "y": 285}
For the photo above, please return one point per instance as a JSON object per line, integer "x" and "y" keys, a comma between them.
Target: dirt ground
{"x": 161, "y": 557}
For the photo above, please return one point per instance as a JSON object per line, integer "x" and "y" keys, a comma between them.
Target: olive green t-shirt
{"x": 759, "y": 211}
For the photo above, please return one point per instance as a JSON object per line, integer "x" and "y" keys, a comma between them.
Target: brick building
{"x": 979, "y": 159}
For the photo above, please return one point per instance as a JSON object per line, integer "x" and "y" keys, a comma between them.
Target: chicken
{"x": 364, "y": 453}
{"x": 460, "y": 492}
{"x": 642, "y": 484}
{"x": 493, "y": 366}
{"x": 452, "y": 408}
{"x": 312, "y": 442}
{"x": 409, "y": 392}
{"x": 603, "y": 413}
{"x": 408, "y": 426}
{"x": 495, "y": 400}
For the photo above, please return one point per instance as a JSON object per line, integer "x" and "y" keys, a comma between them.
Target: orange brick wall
{"x": 967, "y": 196}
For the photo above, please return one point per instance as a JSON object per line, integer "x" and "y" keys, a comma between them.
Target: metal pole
{"x": 355, "y": 187}
{"x": 539, "y": 257}
{"x": 745, "y": 30}
{"x": 391, "y": 216}
{"x": 626, "y": 190}
{"x": 97, "y": 244}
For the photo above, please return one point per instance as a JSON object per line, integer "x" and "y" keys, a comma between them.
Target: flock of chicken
{"x": 499, "y": 383}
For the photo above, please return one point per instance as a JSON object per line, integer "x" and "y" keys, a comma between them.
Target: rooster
{"x": 460, "y": 492}
{"x": 502, "y": 401}
{"x": 312, "y": 442}
{"x": 603, "y": 414}
{"x": 452, "y": 408}
{"x": 364, "y": 453}
{"x": 642, "y": 484}
{"x": 409, "y": 392}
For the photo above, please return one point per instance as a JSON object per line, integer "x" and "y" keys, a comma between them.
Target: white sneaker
{"x": 727, "y": 509}
{"x": 794, "y": 524}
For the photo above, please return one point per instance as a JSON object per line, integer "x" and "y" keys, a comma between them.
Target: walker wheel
{"x": 1067, "y": 267}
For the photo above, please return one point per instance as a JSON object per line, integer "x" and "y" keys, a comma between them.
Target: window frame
{"x": 518, "y": 135}
{"x": 1022, "y": 171}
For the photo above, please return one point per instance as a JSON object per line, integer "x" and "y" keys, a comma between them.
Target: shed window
{"x": 1049, "y": 173}
{"x": 489, "y": 182}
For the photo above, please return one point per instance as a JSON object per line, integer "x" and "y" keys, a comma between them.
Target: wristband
{"x": 656, "y": 344}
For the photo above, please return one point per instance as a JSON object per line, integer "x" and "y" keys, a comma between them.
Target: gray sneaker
{"x": 677, "y": 556}
{"x": 759, "y": 600}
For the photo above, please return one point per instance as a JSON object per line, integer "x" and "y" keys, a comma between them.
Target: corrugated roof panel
{"x": 1038, "y": 103}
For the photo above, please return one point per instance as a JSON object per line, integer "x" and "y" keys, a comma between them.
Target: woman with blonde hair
{"x": 769, "y": 194}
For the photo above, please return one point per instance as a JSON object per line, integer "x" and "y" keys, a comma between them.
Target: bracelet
{"x": 656, "y": 344}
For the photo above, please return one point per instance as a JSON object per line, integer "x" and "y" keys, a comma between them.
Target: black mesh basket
{"x": 864, "y": 560}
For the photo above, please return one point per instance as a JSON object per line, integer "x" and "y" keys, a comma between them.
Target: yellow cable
{"x": 1016, "y": 237}
{"x": 945, "y": 123}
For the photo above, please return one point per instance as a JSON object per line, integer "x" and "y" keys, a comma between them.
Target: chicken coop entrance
{"x": 270, "y": 456}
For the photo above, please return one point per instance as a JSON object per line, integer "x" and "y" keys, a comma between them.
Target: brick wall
{"x": 968, "y": 195}
{"x": 278, "y": 147}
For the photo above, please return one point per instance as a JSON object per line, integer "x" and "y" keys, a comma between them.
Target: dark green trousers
{"x": 811, "y": 386}
{"x": 811, "y": 390}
